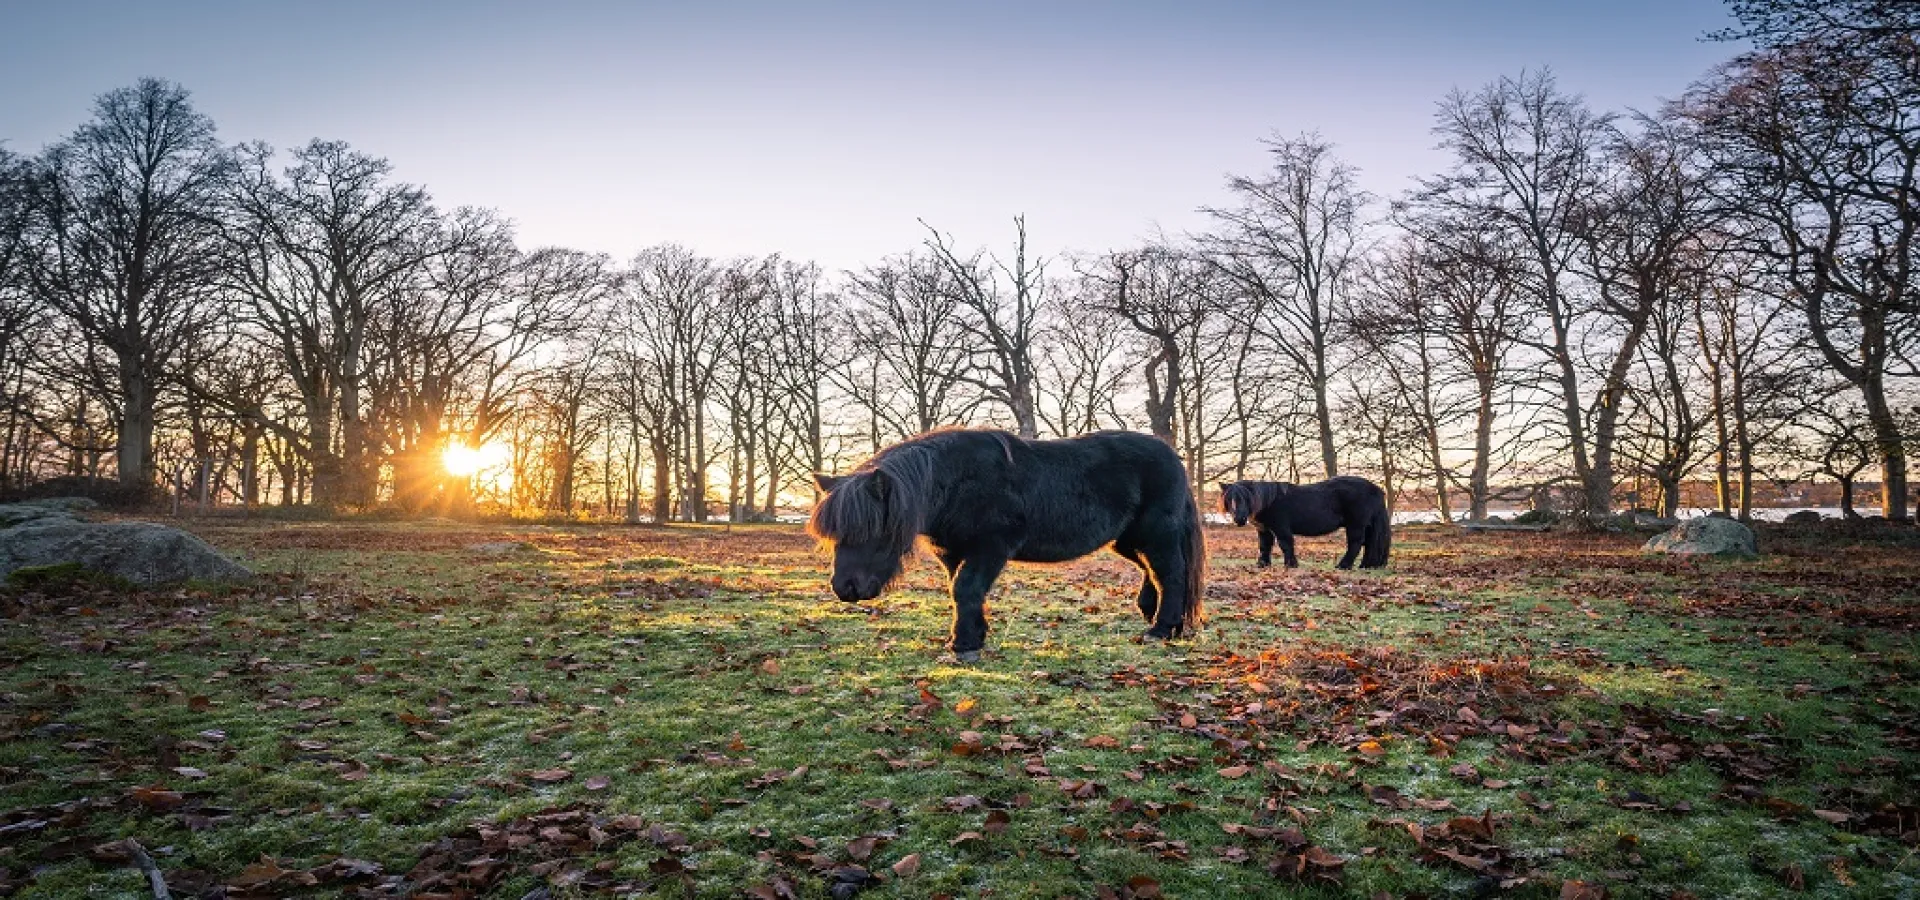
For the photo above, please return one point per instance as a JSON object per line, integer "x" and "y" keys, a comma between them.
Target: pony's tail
{"x": 1379, "y": 540}
{"x": 1196, "y": 570}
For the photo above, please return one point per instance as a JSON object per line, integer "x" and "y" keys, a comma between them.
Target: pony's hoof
{"x": 1150, "y": 636}
{"x": 1264, "y": 564}
{"x": 966, "y": 657}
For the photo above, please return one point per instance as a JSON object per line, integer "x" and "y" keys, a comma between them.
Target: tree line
{"x": 1611, "y": 304}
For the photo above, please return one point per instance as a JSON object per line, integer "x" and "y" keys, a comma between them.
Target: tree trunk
{"x": 1023, "y": 414}
{"x": 1669, "y": 495}
{"x": 662, "y": 480}
{"x": 1388, "y": 483}
{"x": 740, "y": 487}
{"x": 563, "y": 471}
{"x": 134, "y": 451}
{"x": 1323, "y": 416}
{"x": 1569, "y": 380}
{"x": 250, "y": 467}
{"x": 1742, "y": 442}
{"x": 357, "y": 472}
{"x": 1478, "y": 489}
{"x": 1724, "y": 453}
{"x": 1440, "y": 497}
{"x": 633, "y": 475}
{"x": 773, "y": 483}
{"x": 1598, "y": 482}
{"x": 697, "y": 485}
{"x": 1890, "y": 444}
{"x": 1162, "y": 396}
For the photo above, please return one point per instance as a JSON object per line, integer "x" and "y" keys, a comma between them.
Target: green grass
{"x": 1654, "y": 726}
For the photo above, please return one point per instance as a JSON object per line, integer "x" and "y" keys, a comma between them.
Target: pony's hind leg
{"x": 1168, "y": 569}
{"x": 949, "y": 561}
{"x": 1149, "y": 598}
{"x": 1356, "y": 539}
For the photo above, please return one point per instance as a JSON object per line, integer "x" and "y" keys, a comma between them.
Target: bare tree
{"x": 674, "y": 305}
{"x": 462, "y": 346}
{"x": 1755, "y": 369}
{"x": 1838, "y": 440}
{"x": 1291, "y": 243}
{"x": 1449, "y": 297}
{"x": 1661, "y": 431}
{"x": 124, "y": 244}
{"x": 1525, "y": 160}
{"x": 908, "y": 322}
{"x": 636, "y": 399}
{"x": 801, "y": 316}
{"x": 1001, "y": 322}
{"x": 1165, "y": 295}
{"x": 1082, "y": 358}
{"x": 22, "y": 321}
{"x": 322, "y": 255}
{"x": 1640, "y": 238}
{"x": 747, "y": 388}
{"x": 1817, "y": 136}
{"x": 564, "y": 394}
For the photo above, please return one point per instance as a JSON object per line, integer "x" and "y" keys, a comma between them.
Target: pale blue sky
{"x": 823, "y": 130}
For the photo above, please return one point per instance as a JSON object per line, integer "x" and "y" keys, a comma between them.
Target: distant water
{"x": 1428, "y": 516}
{"x": 1760, "y": 513}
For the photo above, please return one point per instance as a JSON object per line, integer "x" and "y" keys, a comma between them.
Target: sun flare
{"x": 463, "y": 461}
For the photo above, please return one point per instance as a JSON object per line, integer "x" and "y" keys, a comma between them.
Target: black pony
{"x": 1280, "y": 511}
{"x": 982, "y": 498}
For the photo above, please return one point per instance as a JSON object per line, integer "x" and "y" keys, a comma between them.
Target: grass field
{"x": 449, "y": 710}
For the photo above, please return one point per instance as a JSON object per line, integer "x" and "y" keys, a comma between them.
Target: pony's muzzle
{"x": 1240, "y": 521}
{"x": 854, "y": 590}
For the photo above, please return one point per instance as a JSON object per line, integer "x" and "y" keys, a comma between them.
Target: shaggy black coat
{"x": 982, "y": 498}
{"x": 1280, "y": 511}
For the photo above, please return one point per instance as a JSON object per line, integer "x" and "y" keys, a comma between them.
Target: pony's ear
{"x": 1226, "y": 485}
{"x": 826, "y": 482}
{"x": 879, "y": 484}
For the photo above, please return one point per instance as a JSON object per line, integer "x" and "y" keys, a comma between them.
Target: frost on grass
{"x": 633, "y": 710}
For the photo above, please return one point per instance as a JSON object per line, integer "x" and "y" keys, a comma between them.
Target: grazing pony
{"x": 982, "y": 498}
{"x": 1280, "y": 511}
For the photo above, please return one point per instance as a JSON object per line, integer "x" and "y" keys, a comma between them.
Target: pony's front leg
{"x": 1266, "y": 548}
{"x": 970, "y": 585}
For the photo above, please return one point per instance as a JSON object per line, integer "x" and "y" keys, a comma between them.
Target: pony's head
{"x": 1244, "y": 499}
{"x": 870, "y": 519}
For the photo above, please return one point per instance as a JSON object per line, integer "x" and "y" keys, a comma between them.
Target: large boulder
{"x": 1706, "y": 536}
{"x": 43, "y": 534}
{"x": 12, "y": 514}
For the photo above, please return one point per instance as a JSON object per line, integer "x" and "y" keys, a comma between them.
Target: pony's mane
{"x": 852, "y": 512}
{"x": 1260, "y": 494}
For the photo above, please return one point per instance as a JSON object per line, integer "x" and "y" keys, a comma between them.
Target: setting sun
{"x": 462, "y": 461}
